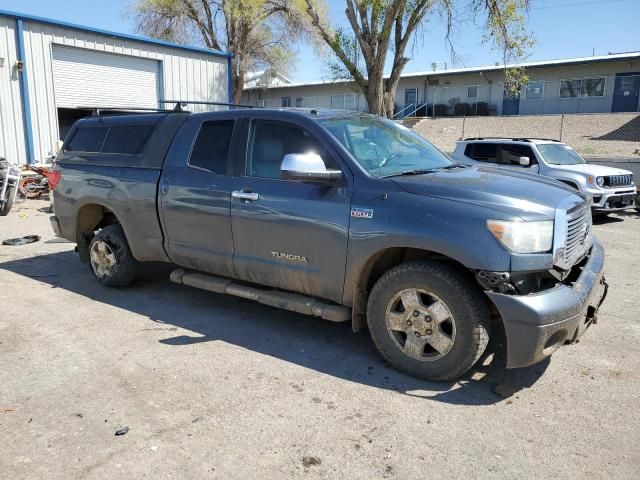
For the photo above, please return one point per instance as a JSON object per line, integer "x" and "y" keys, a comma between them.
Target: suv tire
{"x": 110, "y": 257}
{"x": 429, "y": 320}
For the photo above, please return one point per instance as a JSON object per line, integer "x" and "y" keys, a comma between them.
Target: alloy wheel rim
{"x": 420, "y": 324}
{"x": 102, "y": 258}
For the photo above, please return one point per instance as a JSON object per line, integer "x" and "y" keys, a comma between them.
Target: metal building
{"x": 48, "y": 69}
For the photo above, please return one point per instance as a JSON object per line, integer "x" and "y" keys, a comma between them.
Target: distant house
{"x": 262, "y": 79}
{"x": 606, "y": 83}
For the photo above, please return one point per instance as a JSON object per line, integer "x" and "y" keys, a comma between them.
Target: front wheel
{"x": 8, "y": 201}
{"x": 428, "y": 320}
{"x": 110, "y": 257}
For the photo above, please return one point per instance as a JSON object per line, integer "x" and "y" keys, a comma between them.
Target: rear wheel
{"x": 110, "y": 257}
{"x": 428, "y": 320}
{"x": 31, "y": 187}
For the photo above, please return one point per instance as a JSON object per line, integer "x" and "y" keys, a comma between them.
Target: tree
{"x": 258, "y": 32}
{"x": 382, "y": 27}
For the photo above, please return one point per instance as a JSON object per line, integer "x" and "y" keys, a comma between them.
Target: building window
{"x": 472, "y": 91}
{"x": 582, "y": 87}
{"x": 286, "y": 101}
{"x": 344, "y": 101}
{"x": 298, "y": 102}
{"x": 535, "y": 90}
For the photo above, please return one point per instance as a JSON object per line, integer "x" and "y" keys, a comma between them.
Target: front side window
{"x": 559, "y": 154}
{"x": 383, "y": 147}
{"x": 270, "y": 141}
{"x": 535, "y": 90}
{"x": 472, "y": 91}
{"x": 211, "y": 149}
{"x": 510, "y": 154}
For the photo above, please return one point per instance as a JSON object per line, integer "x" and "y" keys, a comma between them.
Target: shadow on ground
{"x": 326, "y": 347}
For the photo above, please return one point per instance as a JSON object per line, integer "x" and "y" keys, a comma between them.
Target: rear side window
{"x": 120, "y": 139}
{"x": 127, "y": 139}
{"x": 211, "y": 150}
{"x": 87, "y": 139}
{"x": 483, "y": 152}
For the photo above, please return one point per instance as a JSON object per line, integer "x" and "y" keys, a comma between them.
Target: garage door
{"x": 88, "y": 78}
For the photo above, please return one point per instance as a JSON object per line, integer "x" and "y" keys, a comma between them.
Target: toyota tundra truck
{"x": 339, "y": 215}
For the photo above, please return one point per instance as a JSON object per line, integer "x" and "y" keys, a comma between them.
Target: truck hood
{"x": 525, "y": 195}
{"x": 590, "y": 169}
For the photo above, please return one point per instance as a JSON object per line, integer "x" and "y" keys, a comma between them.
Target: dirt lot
{"x": 217, "y": 387}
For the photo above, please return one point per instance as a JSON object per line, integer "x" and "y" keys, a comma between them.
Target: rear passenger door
{"x": 194, "y": 194}
{"x": 289, "y": 234}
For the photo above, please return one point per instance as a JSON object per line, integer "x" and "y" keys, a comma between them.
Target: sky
{"x": 561, "y": 28}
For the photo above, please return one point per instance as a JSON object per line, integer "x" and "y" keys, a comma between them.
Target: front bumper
{"x": 613, "y": 200}
{"x": 536, "y": 325}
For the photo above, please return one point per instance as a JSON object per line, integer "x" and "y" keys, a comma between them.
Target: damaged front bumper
{"x": 537, "y": 324}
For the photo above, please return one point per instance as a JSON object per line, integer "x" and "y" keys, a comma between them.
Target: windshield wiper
{"x": 417, "y": 171}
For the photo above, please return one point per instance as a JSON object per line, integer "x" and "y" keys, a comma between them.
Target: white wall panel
{"x": 12, "y": 144}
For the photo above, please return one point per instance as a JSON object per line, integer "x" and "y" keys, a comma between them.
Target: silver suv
{"x": 611, "y": 189}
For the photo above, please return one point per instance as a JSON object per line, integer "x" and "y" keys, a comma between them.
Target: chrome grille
{"x": 616, "y": 181}
{"x": 578, "y": 233}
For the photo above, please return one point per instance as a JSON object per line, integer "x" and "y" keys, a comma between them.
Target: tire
{"x": 29, "y": 193}
{"x": 6, "y": 207}
{"x": 449, "y": 340}
{"x": 110, "y": 257}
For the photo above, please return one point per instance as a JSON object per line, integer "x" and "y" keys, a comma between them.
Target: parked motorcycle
{"x": 34, "y": 181}
{"x": 9, "y": 179}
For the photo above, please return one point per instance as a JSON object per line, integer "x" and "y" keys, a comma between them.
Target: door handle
{"x": 245, "y": 196}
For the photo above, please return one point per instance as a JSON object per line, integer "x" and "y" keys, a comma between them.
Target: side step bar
{"x": 274, "y": 298}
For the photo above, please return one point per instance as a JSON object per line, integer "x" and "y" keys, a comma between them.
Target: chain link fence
{"x": 597, "y": 134}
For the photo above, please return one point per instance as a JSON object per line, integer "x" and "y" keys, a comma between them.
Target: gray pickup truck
{"x": 340, "y": 215}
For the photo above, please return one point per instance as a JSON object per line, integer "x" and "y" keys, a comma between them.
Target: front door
{"x": 289, "y": 234}
{"x": 410, "y": 100}
{"x": 626, "y": 92}
{"x": 195, "y": 196}
{"x": 511, "y": 102}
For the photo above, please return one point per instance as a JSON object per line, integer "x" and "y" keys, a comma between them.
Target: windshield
{"x": 559, "y": 154}
{"x": 383, "y": 147}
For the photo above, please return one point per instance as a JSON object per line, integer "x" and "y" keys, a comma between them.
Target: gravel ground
{"x": 217, "y": 387}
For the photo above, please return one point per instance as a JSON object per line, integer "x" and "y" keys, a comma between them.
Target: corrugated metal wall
{"x": 12, "y": 144}
{"x": 185, "y": 75}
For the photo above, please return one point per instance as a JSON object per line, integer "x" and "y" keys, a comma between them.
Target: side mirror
{"x": 308, "y": 167}
{"x": 524, "y": 161}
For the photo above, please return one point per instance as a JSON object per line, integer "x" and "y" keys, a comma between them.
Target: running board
{"x": 274, "y": 298}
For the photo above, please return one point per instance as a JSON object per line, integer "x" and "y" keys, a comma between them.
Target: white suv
{"x": 612, "y": 189}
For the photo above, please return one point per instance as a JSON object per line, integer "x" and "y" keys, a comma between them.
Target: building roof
{"x": 260, "y": 79}
{"x": 487, "y": 68}
{"x": 125, "y": 36}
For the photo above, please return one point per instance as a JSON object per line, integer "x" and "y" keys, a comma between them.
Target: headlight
{"x": 600, "y": 181}
{"x": 523, "y": 237}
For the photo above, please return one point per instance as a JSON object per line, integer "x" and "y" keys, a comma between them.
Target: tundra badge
{"x": 362, "y": 212}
